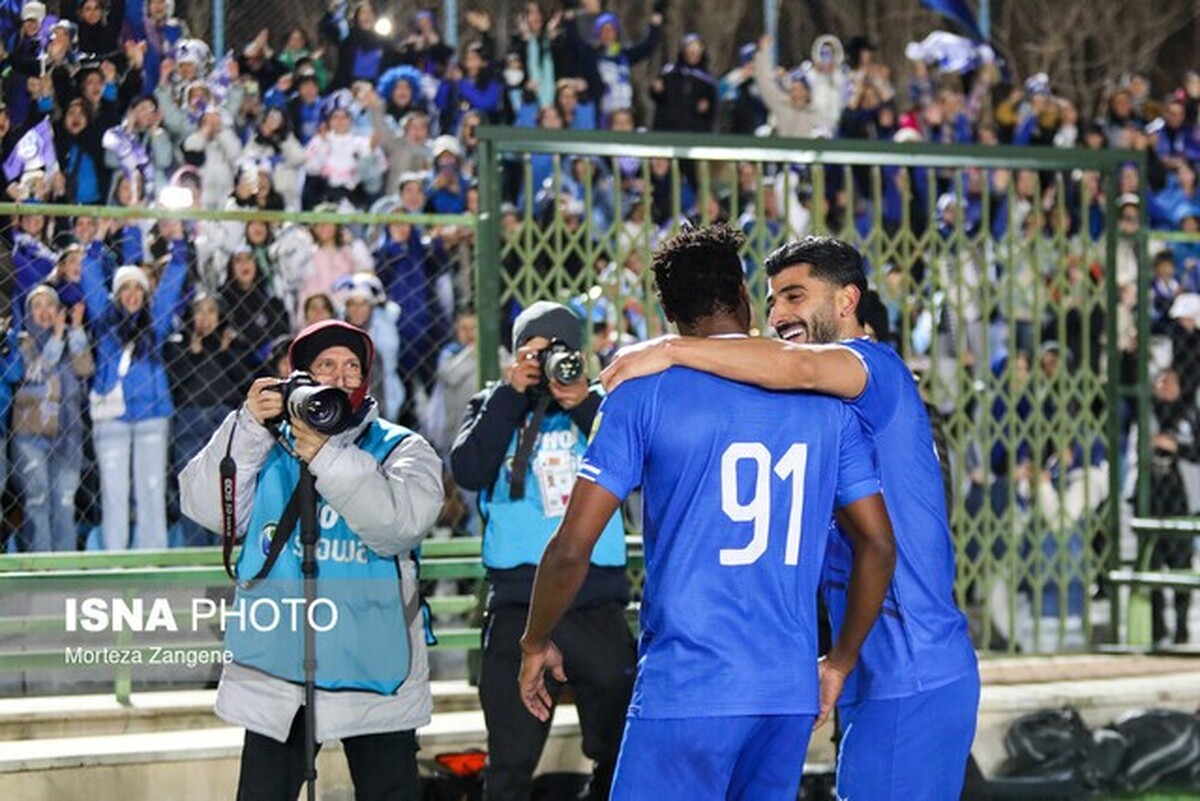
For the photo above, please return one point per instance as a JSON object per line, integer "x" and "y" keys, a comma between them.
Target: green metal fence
{"x": 999, "y": 268}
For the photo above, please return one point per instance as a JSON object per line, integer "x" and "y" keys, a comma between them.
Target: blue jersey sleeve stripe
{"x": 866, "y": 369}
{"x": 856, "y": 492}
{"x": 588, "y": 471}
{"x": 606, "y": 481}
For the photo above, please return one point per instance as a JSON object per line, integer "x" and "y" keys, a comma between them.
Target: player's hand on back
{"x": 644, "y": 358}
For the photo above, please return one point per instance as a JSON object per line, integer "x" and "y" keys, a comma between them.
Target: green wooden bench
{"x": 1142, "y": 580}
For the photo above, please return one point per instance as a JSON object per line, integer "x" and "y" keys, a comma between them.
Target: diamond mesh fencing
{"x": 997, "y": 269}
{"x": 182, "y": 315}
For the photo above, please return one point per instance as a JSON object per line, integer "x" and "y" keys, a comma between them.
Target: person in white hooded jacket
{"x": 379, "y": 488}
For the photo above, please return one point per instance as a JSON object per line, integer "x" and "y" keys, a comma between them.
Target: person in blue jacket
{"x": 12, "y": 368}
{"x": 129, "y": 328}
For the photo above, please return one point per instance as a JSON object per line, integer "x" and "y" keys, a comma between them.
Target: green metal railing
{"x": 1048, "y": 522}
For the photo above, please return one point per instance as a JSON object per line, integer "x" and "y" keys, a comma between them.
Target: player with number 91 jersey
{"x": 739, "y": 485}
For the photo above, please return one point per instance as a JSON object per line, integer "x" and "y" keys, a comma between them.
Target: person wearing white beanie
{"x": 47, "y": 423}
{"x": 33, "y": 10}
{"x": 130, "y": 401}
{"x": 127, "y": 273}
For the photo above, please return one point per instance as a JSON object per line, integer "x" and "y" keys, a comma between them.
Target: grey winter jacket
{"x": 390, "y": 507}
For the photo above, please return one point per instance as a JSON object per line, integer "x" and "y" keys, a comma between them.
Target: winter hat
{"x": 127, "y": 273}
{"x": 606, "y": 18}
{"x": 70, "y": 248}
{"x": 447, "y": 144}
{"x": 361, "y": 285}
{"x": 309, "y": 343}
{"x": 341, "y": 100}
{"x": 41, "y": 289}
{"x": 550, "y": 320}
{"x": 33, "y": 10}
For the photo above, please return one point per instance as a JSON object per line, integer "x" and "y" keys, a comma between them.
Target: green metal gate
{"x": 996, "y": 264}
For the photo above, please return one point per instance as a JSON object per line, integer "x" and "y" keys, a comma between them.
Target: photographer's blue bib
{"x": 361, "y": 631}
{"x": 516, "y": 531}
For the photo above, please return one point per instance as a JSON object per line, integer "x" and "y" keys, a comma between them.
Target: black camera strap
{"x": 279, "y": 540}
{"x": 228, "y": 469}
{"x": 283, "y": 529}
{"x": 525, "y": 443}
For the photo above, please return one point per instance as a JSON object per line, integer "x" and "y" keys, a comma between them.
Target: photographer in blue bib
{"x": 378, "y": 489}
{"x": 519, "y": 446}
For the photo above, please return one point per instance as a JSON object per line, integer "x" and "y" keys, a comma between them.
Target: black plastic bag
{"x": 1049, "y": 743}
{"x": 1162, "y": 745}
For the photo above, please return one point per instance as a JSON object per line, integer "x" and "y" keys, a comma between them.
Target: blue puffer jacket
{"x": 12, "y": 368}
{"x": 146, "y": 387}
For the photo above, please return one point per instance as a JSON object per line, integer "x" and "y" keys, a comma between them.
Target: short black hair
{"x": 699, "y": 273}
{"x": 832, "y": 260}
{"x": 874, "y": 313}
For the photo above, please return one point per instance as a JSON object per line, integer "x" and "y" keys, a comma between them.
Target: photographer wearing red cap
{"x": 379, "y": 488}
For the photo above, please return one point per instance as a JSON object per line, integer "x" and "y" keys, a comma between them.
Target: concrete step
{"x": 169, "y": 745}
{"x": 202, "y": 764}
{"x": 36, "y": 718}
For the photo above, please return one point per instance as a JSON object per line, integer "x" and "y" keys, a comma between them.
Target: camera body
{"x": 562, "y": 363}
{"x": 325, "y": 410}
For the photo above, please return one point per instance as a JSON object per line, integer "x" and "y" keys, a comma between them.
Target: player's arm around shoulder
{"x": 767, "y": 363}
{"x": 389, "y": 506}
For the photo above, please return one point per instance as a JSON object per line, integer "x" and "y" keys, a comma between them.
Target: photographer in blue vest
{"x": 379, "y": 488}
{"x": 519, "y": 447}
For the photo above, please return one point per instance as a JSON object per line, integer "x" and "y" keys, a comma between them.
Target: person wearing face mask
{"x": 130, "y": 403}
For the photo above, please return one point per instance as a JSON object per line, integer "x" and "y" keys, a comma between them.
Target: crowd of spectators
{"x": 114, "y": 102}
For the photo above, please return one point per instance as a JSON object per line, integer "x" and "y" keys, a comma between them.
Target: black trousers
{"x": 600, "y": 658}
{"x": 382, "y": 766}
{"x": 1175, "y": 553}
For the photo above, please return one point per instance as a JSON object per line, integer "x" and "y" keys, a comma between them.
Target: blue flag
{"x": 34, "y": 151}
{"x": 957, "y": 11}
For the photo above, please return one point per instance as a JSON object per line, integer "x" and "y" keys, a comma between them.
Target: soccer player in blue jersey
{"x": 908, "y": 712}
{"x": 739, "y": 486}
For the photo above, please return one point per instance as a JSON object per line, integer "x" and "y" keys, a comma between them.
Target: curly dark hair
{"x": 698, "y": 273}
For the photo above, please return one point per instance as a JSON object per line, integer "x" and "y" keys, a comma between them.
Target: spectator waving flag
{"x": 957, "y": 11}
{"x": 34, "y": 151}
{"x": 221, "y": 79}
{"x": 130, "y": 152}
{"x": 949, "y": 53}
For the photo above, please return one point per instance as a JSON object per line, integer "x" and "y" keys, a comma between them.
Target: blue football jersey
{"x": 920, "y": 640}
{"x": 738, "y": 488}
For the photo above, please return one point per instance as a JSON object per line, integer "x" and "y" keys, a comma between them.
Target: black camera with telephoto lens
{"x": 325, "y": 410}
{"x": 560, "y": 362}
